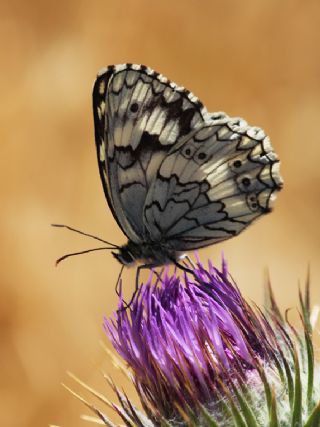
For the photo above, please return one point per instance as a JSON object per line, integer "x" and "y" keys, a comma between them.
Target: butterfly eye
{"x": 134, "y": 107}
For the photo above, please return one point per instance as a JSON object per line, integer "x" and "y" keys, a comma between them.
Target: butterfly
{"x": 176, "y": 177}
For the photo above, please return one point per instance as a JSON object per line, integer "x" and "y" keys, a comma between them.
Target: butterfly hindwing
{"x": 139, "y": 117}
{"x": 213, "y": 186}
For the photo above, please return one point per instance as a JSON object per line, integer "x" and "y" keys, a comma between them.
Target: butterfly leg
{"x": 139, "y": 269}
{"x": 189, "y": 261}
{"x": 182, "y": 266}
{"x": 118, "y": 284}
{"x": 198, "y": 280}
{"x": 159, "y": 275}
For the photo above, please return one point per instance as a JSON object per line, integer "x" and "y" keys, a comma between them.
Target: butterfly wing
{"x": 139, "y": 116}
{"x": 213, "y": 186}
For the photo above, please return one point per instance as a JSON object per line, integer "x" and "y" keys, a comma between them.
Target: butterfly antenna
{"x": 85, "y": 234}
{"x": 80, "y": 253}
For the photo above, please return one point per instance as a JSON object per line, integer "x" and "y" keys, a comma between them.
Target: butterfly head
{"x": 124, "y": 256}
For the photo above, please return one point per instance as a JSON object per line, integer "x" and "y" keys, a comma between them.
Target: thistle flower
{"x": 200, "y": 355}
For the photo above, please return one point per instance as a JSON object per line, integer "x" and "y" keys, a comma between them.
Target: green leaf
{"x": 238, "y": 420}
{"x": 305, "y": 304}
{"x": 273, "y": 411}
{"x": 290, "y": 384}
{"x": 297, "y": 401}
{"x": 310, "y": 358}
{"x": 314, "y": 419}
{"x": 270, "y": 301}
{"x": 208, "y": 418}
{"x": 245, "y": 408}
{"x": 165, "y": 423}
{"x": 223, "y": 407}
{"x": 189, "y": 416}
{"x": 266, "y": 385}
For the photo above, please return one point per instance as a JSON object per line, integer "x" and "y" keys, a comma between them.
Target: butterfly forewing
{"x": 139, "y": 116}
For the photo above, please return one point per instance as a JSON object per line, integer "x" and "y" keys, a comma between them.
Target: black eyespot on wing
{"x": 134, "y": 107}
{"x": 246, "y": 182}
{"x": 202, "y": 156}
{"x": 252, "y": 202}
{"x": 237, "y": 163}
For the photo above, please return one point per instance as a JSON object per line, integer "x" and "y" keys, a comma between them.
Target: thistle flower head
{"x": 200, "y": 355}
{"x": 183, "y": 339}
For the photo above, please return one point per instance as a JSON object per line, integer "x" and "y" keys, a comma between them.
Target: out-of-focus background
{"x": 259, "y": 60}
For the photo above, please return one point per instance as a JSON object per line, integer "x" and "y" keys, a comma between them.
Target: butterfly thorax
{"x": 147, "y": 252}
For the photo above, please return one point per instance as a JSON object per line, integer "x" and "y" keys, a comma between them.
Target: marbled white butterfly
{"x": 175, "y": 176}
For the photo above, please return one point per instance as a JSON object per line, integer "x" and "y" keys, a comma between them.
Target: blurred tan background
{"x": 259, "y": 60}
